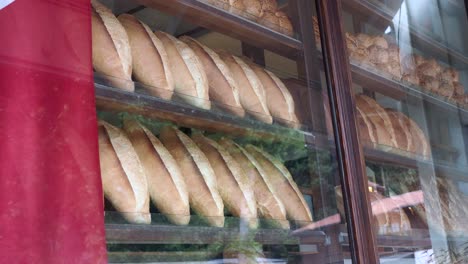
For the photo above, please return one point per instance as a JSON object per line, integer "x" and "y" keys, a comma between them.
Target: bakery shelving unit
{"x": 248, "y": 31}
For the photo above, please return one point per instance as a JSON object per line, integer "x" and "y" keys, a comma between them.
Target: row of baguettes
{"x": 126, "y": 46}
{"x": 264, "y": 12}
{"x": 387, "y": 127}
{"x": 178, "y": 172}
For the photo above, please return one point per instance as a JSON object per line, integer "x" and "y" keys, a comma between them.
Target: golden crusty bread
{"x": 251, "y": 91}
{"x": 111, "y": 49}
{"x": 233, "y": 185}
{"x": 253, "y": 7}
{"x": 269, "y": 205}
{"x": 150, "y": 61}
{"x": 198, "y": 174}
{"x": 403, "y": 134}
{"x": 279, "y": 100}
{"x": 223, "y": 88}
{"x": 366, "y": 129}
{"x": 377, "y": 115}
{"x": 277, "y": 21}
{"x": 123, "y": 178}
{"x": 191, "y": 83}
{"x": 283, "y": 184}
{"x": 166, "y": 185}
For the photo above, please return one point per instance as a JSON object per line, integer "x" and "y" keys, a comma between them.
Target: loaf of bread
{"x": 381, "y": 122}
{"x": 166, "y": 185}
{"x": 268, "y": 205}
{"x": 251, "y": 91}
{"x": 279, "y": 100}
{"x": 198, "y": 174}
{"x": 233, "y": 184}
{"x": 111, "y": 48}
{"x": 278, "y": 21}
{"x": 283, "y": 184}
{"x": 190, "y": 80}
{"x": 401, "y": 127}
{"x": 150, "y": 61}
{"x": 123, "y": 178}
{"x": 223, "y": 88}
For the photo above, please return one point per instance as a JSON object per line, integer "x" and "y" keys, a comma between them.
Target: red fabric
{"x": 51, "y": 203}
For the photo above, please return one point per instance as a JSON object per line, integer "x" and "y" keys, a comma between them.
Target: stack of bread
{"x": 265, "y": 12}
{"x": 388, "y": 217}
{"x": 177, "y": 172}
{"x": 125, "y": 46}
{"x": 389, "y": 129}
{"x": 377, "y": 52}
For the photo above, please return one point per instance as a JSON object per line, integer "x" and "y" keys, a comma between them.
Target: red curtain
{"x": 51, "y": 203}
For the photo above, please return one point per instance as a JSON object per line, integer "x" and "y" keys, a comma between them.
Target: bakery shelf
{"x": 381, "y": 16}
{"x": 117, "y": 100}
{"x": 384, "y": 84}
{"x": 170, "y": 234}
{"x": 213, "y": 18}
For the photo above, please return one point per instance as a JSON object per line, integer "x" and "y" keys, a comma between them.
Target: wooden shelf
{"x": 382, "y": 18}
{"x": 235, "y": 26}
{"x": 170, "y": 234}
{"x": 117, "y": 100}
{"x": 384, "y": 84}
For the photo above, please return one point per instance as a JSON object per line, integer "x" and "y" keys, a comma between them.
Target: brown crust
{"x": 150, "y": 62}
{"x": 233, "y": 184}
{"x": 198, "y": 174}
{"x": 268, "y": 204}
{"x": 161, "y": 169}
{"x": 124, "y": 180}
{"x": 295, "y": 205}
{"x": 223, "y": 88}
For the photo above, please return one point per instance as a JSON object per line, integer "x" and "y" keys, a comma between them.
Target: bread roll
{"x": 283, "y": 184}
{"x": 277, "y": 21}
{"x": 237, "y": 7}
{"x": 150, "y": 61}
{"x": 364, "y": 40}
{"x": 253, "y": 7}
{"x": 377, "y": 115}
{"x": 190, "y": 81}
{"x": 233, "y": 185}
{"x": 111, "y": 48}
{"x": 198, "y": 175}
{"x": 285, "y": 24}
{"x": 223, "y": 88}
{"x": 269, "y": 5}
{"x": 166, "y": 185}
{"x": 279, "y": 99}
{"x": 251, "y": 91}
{"x": 268, "y": 204}
{"x": 123, "y": 177}
{"x": 378, "y": 55}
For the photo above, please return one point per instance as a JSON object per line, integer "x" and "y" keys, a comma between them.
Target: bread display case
{"x": 234, "y": 131}
{"x": 213, "y": 139}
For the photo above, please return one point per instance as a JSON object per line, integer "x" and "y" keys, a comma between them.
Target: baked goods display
{"x": 389, "y": 129}
{"x": 264, "y": 12}
{"x": 376, "y": 52}
{"x": 111, "y": 48}
{"x": 183, "y": 68}
{"x": 123, "y": 177}
{"x": 179, "y": 173}
{"x": 150, "y": 60}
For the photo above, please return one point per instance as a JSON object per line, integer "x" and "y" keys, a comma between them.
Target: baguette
{"x": 150, "y": 60}
{"x": 223, "y": 88}
{"x": 123, "y": 178}
{"x": 251, "y": 91}
{"x": 233, "y": 184}
{"x": 281, "y": 180}
{"x": 191, "y": 83}
{"x": 268, "y": 204}
{"x": 111, "y": 48}
{"x": 198, "y": 174}
{"x": 166, "y": 186}
{"x": 279, "y": 99}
